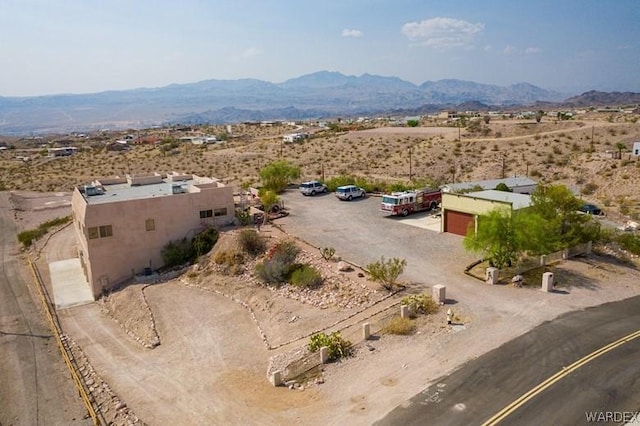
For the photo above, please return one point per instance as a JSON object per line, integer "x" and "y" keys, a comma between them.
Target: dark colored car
{"x": 591, "y": 209}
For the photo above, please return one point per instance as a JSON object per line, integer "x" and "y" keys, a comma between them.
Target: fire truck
{"x": 407, "y": 202}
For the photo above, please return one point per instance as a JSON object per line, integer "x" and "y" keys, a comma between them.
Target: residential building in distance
{"x": 122, "y": 224}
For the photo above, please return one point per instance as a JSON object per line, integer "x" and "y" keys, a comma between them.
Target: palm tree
{"x": 621, "y": 147}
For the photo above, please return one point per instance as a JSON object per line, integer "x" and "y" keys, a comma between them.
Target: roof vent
{"x": 177, "y": 189}
{"x": 91, "y": 190}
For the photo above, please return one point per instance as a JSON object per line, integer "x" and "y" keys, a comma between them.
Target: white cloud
{"x": 250, "y": 52}
{"x": 351, "y": 33}
{"x": 532, "y": 50}
{"x": 442, "y": 32}
{"x": 509, "y": 50}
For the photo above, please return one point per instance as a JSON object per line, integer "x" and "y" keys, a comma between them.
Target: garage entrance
{"x": 457, "y": 222}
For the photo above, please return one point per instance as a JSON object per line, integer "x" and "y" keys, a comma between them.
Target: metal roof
{"x": 511, "y": 182}
{"x": 518, "y": 201}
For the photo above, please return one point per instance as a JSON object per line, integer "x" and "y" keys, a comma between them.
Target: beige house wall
{"x": 468, "y": 204}
{"x": 110, "y": 260}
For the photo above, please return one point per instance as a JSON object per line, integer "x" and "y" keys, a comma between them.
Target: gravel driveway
{"x": 361, "y": 233}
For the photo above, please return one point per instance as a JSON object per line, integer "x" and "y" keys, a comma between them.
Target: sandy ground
{"x": 210, "y": 367}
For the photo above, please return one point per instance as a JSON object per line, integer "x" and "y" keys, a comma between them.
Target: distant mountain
{"x": 316, "y": 95}
{"x": 595, "y": 98}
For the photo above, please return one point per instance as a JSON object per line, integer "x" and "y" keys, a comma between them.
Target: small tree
{"x": 621, "y": 147}
{"x": 539, "y": 115}
{"x": 386, "y": 272}
{"x": 487, "y": 119}
{"x": 277, "y": 175}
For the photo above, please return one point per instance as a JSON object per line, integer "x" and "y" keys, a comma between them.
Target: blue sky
{"x": 85, "y": 46}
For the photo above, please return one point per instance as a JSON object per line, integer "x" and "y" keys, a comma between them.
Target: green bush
{"x": 243, "y": 216}
{"x": 629, "y": 242}
{"x": 177, "y": 253}
{"x": 27, "y": 237}
{"x": 306, "y": 276}
{"x": 420, "y": 304}
{"x": 400, "y": 326}
{"x": 338, "y": 347}
{"x": 204, "y": 241}
{"x": 251, "y": 242}
{"x": 386, "y": 272}
{"x": 278, "y": 266}
{"x": 327, "y": 252}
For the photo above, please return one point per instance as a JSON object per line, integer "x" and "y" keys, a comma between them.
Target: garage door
{"x": 457, "y": 222}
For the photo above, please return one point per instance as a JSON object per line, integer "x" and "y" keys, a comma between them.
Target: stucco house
{"x": 460, "y": 210}
{"x": 122, "y": 224}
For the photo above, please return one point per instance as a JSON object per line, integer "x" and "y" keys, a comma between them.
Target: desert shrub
{"x": 28, "y": 236}
{"x": 305, "y": 276}
{"x": 386, "y": 272}
{"x": 340, "y": 180}
{"x": 629, "y": 242}
{"x": 400, "y": 326}
{"x": 589, "y": 188}
{"x": 243, "y": 216}
{"x": 205, "y": 240}
{"x": 420, "y": 304}
{"x": 251, "y": 242}
{"x": 285, "y": 251}
{"x": 177, "y": 252}
{"x": 273, "y": 271}
{"x": 229, "y": 257}
{"x": 327, "y": 252}
{"x": 338, "y": 347}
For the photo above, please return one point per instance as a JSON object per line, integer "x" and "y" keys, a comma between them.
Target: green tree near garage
{"x": 504, "y": 235}
{"x": 557, "y": 205}
{"x": 277, "y": 175}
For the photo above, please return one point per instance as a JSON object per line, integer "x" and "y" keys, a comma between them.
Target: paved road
{"x": 481, "y": 388}
{"x": 35, "y": 387}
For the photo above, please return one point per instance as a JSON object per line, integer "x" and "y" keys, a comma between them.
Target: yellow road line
{"x": 509, "y": 409}
{"x": 56, "y": 332}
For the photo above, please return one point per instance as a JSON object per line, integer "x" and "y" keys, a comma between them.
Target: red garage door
{"x": 457, "y": 222}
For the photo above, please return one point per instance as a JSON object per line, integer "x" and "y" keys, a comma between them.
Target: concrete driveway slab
{"x": 70, "y": 287}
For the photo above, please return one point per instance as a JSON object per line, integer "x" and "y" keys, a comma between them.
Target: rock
{"x": 343, "y": 266}
{"x": 370, "y": 347}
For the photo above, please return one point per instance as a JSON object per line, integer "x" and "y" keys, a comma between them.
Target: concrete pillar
{"x": 543, "y": 260}
{"x": 565, "y": 254}
{"x": 366, "y": 331}
{"x": 491, "y": 276}
{"x": 324, "y": 355}
{"x": 589, "y": 247}
{"x": 439, "y": 293}
{"x": 276, "y": 378}
{"x": 404, "y": 311}
{"x": 547, "y": 282}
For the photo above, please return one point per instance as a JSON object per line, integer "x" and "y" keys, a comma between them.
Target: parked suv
{"x": 313, "y": 187}
{"x": 591, "y": 209}
{"x": 349, "y": 192}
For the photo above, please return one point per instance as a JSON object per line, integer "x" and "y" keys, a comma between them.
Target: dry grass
{"x": 551, "y": 151}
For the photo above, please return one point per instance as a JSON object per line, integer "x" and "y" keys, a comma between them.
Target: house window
{"x": 93, "y": 232}
{"x": 106, "y": 231}
{"x": 220, "y": 212}
{"x": 100, "y": 232}
{"x": 206, "y": 213}
{"x": 150, "y": 225}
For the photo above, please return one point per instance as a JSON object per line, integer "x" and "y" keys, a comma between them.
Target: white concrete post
{"x": 324, "y": 355}
{"x": 565, "y": 254}
{"x": 589, "y": 247}
{"x": 543, "y": 260}
{"x": 276, "y": 378}
{"x": 438, "y": 293}
{"x": 366, "y": 331}
{"x": 491, "y": 276}
{"x": 547, "y": 282}
{"x": 404, "y": 311}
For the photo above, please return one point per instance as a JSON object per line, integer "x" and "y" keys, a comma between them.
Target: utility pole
{"x": 410, "y": 170}
{"x": 502, "y": 166}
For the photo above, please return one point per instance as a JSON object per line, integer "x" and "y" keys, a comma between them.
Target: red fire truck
{"x": 407, "y": 202}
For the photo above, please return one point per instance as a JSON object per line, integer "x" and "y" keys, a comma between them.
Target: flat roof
{"x": 517, "y": 201}
{"x": 115, "y": 192}
{"x": 511, "y": 182}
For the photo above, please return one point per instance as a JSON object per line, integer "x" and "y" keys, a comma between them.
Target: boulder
{"x": 343, "y": 266}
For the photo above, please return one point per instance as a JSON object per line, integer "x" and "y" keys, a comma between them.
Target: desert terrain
{"x": 193, "y": 375}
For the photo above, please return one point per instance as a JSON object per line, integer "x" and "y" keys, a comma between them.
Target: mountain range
{"x": 318, "y": 95}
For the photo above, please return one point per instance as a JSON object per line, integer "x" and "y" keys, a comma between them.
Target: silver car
{"x": 349, "y": 192}
{"x": 313, "y": 187}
